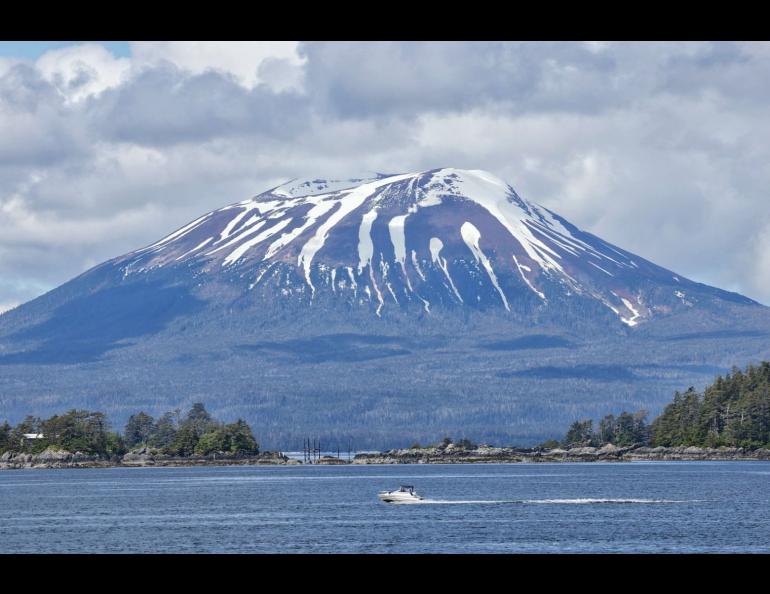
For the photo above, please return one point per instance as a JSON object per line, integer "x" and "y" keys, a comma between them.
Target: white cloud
{"x": 659, "y": 148}
{"x": 7, "y": 63}
{"x": 276, "y": 63}
{"x": 80, "y": 71}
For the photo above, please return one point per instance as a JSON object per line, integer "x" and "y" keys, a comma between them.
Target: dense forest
{"x": 195, "y": 433}
{"x": 734, "y": 411}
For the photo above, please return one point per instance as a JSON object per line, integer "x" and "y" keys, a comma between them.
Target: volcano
{"x": 384, "y": 308}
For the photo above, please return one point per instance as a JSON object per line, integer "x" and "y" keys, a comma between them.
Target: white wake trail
{"x": 578, "y": 501}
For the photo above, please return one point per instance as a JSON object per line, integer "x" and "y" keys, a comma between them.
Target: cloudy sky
{"x": 660, "y": 148}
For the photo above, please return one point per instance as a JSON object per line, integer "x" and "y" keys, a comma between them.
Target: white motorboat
{"x": 405, "y": 494}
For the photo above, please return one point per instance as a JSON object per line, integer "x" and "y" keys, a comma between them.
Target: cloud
{"x": 657, "y": 147}
{"x": 7, "y": 63}
{"x": 81, "y": 71}
{"x": 402, "y": 79}
{"x": 276, "y": 63}
{"x": 165, "y": 105}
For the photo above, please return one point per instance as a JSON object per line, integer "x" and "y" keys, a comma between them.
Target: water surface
{"x": 491, "y": 508}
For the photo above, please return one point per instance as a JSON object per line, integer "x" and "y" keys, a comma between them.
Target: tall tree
{"x": 139, "y": 429}
{"x": 241, "y": 438}
{"x": 5, "y": 436}
{"x": 580, "y": 434}
{"x": 608, "y": 428}
{"x": 164, "y": 432}
{"x": 198, "y": 419}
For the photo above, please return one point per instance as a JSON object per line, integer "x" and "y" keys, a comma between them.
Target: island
{"x": 730, "y": 420}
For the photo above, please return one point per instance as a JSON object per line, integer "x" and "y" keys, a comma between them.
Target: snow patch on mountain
{"x": 471, "y": 236}
{"x": 415, "y": 238}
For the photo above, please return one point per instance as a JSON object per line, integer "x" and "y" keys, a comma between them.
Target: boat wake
{"x": 581, "y": 501}
{"x": 584, "y": 501}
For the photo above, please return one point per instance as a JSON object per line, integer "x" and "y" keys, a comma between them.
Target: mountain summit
{"x": 383, "y": 309}
{"x": 445, "y": 237}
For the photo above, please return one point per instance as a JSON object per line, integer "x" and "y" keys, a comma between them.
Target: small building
{"x": 26, "y": 436}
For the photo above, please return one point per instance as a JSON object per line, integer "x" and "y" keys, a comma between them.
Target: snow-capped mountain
{"x": 387, "y": 309}
{"x": 446, "y": 237}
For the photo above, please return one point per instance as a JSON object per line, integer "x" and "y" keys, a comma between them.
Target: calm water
{"x": 637, "y": 507}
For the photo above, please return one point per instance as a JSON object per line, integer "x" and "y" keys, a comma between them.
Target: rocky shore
{"x": 451, "y": 454}
{"x": 609, "y": 453}
{"x": 55, "y": 458}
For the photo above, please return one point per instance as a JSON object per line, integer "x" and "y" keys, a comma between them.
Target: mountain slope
{"x": 457, "y": 302}
{"x": 450, "y": 237}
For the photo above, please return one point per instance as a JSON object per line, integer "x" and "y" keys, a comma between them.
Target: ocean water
{"x": 646, "y": 507}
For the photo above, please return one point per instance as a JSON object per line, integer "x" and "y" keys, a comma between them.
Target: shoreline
{"x": 51, "y": 458}
{"x": 608, "y": 453}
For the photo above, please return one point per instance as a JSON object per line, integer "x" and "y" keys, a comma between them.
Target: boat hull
{"x": 398, "y": 497}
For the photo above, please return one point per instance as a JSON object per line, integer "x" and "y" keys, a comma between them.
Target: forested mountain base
{"x": 730, "y": 420}
{"x": 732, "y": 412}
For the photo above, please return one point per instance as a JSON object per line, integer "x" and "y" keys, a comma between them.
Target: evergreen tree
{"x": 5, "y": 437}
{"x": 466, "y": 444}
{"x": 19, "y": 443}
{"x": 87, "y": 432}
{"x": 211, "y": 442}
{"x": 607, "y": 430}
{"x": 115, "y": 445}
{"x": 628, "y": 430}
{"x": 198, "y": 419}
{"x": 734, "y": 411}
{"x": 241, "y": 438}
{"x": 77, "y": 431}
{"x": 184, "y": 441}
{"x": 139, "y": 429}
{"x": 164, "y": 432}
{"x": 580, "y": 434}
{"x": 678, "y": 425}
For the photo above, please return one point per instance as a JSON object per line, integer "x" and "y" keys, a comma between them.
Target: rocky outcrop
{"x": 445, "y": 455}
{"x": 52, "y": 458}
{"x": 483, "y": 454}
{"x": 151, "y": 457}
{"x": 56, "y": 458}
{"x": 608, "y": 453}
{"x": 331, "y": 460}
{"x": 693, "y": 453}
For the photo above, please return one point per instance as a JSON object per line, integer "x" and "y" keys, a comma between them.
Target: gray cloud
{"x": 400, "y": 79}
{"x": 35, "y": 127}
{"x": 165, "y": 105}
{"x": 657, "y": 147}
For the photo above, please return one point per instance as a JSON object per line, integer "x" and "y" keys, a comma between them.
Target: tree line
{"x": 194, "y": 433}
{"x": 734, "y": 411}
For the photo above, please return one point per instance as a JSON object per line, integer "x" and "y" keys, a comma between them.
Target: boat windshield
{"x": 406, "y": 488}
